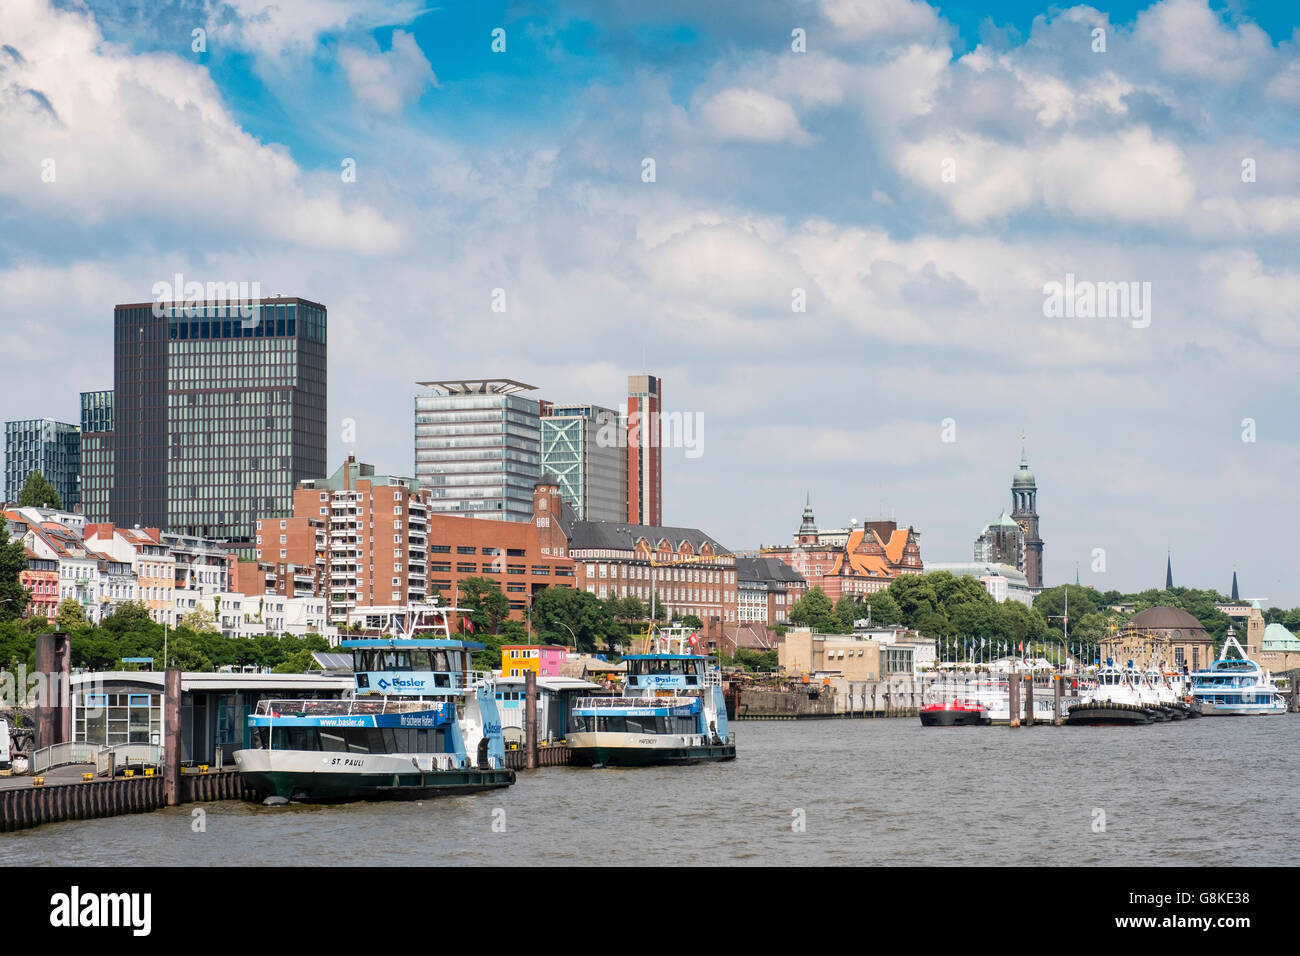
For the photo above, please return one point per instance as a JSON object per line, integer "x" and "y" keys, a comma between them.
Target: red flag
{"x": 695, "y": 638}
{"x": 468, "y": 624}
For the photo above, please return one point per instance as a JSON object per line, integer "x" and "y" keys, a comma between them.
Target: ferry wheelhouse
{"x": 421, "y": 722}
{"x": 671, "y": 711}
{"x": 1236, "y": 686}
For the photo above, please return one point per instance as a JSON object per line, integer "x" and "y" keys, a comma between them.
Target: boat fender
{"x": 275, "y": 802}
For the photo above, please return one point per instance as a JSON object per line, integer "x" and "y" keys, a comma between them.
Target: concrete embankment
{"x": 839, "y": 698}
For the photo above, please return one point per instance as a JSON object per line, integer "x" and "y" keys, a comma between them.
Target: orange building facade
{"x": 851, "y": 562}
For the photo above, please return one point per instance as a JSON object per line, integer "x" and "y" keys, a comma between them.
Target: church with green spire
{"x": 1024, "y": 509}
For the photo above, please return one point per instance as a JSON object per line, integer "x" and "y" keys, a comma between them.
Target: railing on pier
{"x": 60, "y": 755}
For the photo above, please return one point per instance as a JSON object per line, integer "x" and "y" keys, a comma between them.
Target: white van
{"x": 6, "y": 745}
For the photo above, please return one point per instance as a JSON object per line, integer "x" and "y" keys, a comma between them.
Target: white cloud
{"x": 388, "y": 81}
{"x": 147, "y": 138}
{"x": 751, "y": 116}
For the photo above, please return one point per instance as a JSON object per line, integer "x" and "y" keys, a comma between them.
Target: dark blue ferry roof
{"x": 663, "y": 657}
{"x": 397, "y": 643}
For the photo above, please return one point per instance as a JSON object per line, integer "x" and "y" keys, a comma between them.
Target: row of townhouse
{"x": 102, "y": 566}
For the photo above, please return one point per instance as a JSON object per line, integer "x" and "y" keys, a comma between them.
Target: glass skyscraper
{"x": 96, "y": 453}
{"x": 583, "y": 448}
{"x": 44, "y": 445}
{"x": 217, "y": 415}
{"x": 477, "y": 448}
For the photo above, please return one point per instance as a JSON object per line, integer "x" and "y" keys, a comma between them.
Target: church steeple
{"x": 1235, "y": 595}
{"x": 1024, "y": 509}
{"x": 1169, "y": 573}
{"x": 808, "y": 526}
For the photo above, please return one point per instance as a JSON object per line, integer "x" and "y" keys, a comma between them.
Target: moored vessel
{"x": 955, "y": 713}
{"x": 421, "y": 722}
{"x": 1236, "y": 686}
{"x": 672, "y": 710}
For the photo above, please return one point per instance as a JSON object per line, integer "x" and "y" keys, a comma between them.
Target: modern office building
{"x": 217, "y": 414}
{"x": 96, "y": 454}
{"x": 44, "y": 445}
{"x": 478, "y": 448}
{"x": 582, "y": 449}
{"x": 644, "y": 450}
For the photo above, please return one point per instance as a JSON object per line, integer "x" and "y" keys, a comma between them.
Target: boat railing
{"x": 612, "y": 702}
{"x": 340, "y": 707}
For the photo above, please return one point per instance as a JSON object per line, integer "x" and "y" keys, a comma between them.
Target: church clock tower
{"x": 1024, "y": 509}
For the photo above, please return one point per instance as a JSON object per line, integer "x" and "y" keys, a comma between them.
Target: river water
{"x": 1208, "y": 792}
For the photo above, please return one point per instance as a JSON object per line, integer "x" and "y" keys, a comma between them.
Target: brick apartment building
{"x": 363, "y": 539}
{"x": 853, "y": 561}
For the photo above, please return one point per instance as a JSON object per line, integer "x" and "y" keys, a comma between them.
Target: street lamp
{"x": 570, "y": 630}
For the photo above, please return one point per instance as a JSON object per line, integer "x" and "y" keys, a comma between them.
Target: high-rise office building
{"x": 44, "y": 445}
{"x": 219, "y": 412}
{"x": 96, "y": 454}
{"x": 644, "y": 454}
{"x": 583, "y": 449}
{"x": 478, "y": 448}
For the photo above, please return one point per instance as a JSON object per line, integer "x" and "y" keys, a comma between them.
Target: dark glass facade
{"x": 218, "y": 415}
{"x": 47, "y": 446}
{"x": 96, "y": 454}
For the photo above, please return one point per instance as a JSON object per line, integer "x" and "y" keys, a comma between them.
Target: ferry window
{"x": 356, "y": 737}
{"x": 390, "y": 740}
{"x": 374, "y": 740}
{"x": 333, "y": 742}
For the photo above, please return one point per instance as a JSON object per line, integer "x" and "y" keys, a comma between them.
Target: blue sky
{"x": 776, "y": 170}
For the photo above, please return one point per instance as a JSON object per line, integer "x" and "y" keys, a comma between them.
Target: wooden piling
{"x": 1013, "y": 699}
{"x": 172, "y": 737}
{"x": 530, "y": 718}
{"x": 1058, "y": 701}
{"x": 1029, "y": 700}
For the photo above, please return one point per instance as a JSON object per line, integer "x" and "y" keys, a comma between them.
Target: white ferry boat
{"x": 671, "y": 712}
{"x": 421, "y": 722}
{"x": 1236, "y": 686}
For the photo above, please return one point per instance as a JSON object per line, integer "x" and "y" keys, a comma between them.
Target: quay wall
{"x": 839, "y": 699}
{"x": 555, "y": 755}
{"x": 24, "y": 807}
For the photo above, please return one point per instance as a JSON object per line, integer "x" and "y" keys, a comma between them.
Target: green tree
{"x": 300, "y": 662}
{"x": 70, "y": 616}
{"x": 884, "y": 609}
{"x": 693, "y": 621}
{"x": 488, "y": 603}
{"x": 815, "y": 610}
{"x": 13, "y": 596}
{"x": 200, "y": 621}
{"x": 39, "y": 493}
{"x": 846, "y": 611}
{"x": 563, "y": 615}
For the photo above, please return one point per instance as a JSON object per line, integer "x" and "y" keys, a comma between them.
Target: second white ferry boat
{"x": 672, "y": 710}
{"x": 1236, "y": 686}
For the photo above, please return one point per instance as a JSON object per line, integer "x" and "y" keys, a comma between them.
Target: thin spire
{"x": 1169, "y": 572}
{"x": 1235, "y": 595}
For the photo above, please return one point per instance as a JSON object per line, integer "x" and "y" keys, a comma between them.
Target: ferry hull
{"x": 284, "y": 775}
{"x": 955, "y": 718}
{"x": 1209, "y": 709}
{"x": 1109, "y": 712}
{"x": 617, "y": 751}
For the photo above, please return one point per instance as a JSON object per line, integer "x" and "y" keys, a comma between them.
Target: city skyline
{"x": 775, "y": 170}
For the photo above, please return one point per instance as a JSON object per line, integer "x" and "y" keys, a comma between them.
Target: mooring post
{"x": 1013, "y": 699}
{"x": 1058, "y": 694}
{"x": 530, "y": 718}
{"x": 172, "y": 737}
{"x": 1029, "y": 700}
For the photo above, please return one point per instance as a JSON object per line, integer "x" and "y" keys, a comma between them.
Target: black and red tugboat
{"x": 955, "y": 713}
